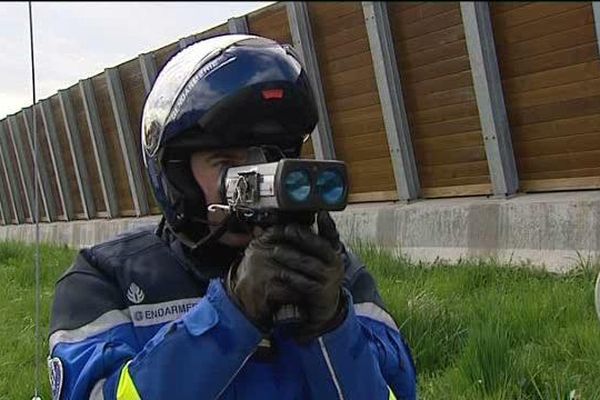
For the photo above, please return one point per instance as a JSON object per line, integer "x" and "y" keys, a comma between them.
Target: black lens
{"x": 330, "y": 186}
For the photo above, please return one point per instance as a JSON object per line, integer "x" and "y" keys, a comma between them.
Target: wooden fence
{"x": 422, "y": 100}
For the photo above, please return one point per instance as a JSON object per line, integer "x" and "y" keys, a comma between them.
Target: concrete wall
{"x": 555, "y": 230}
{"x": 76, "y": 233}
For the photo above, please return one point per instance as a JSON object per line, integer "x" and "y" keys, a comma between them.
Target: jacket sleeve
{"x": 94, "y": 351}
{"x": 366, "y": 357}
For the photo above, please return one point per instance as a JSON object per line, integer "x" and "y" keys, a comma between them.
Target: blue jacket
{"x": 133, "y": 318}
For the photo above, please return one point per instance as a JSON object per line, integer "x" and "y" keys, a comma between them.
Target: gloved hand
{"x": 292, "y": 265}
{"x": 317, "y": 259}
{"x": 258, "y": 284}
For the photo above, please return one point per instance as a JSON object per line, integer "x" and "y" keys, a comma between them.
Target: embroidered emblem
{"x": 135, "y": 294}
{"x": 56, "y": 375}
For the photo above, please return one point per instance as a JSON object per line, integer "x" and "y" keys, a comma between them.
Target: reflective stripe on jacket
{"x": 129, "y": 321}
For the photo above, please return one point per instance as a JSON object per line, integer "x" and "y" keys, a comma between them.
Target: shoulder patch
{"x": 135, "y": 294}
{"x": 56, "y": 374}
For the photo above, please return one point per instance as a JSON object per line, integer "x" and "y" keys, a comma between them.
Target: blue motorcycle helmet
{"x": 226, "y": 91}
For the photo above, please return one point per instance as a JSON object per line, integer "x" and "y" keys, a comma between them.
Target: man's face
{"x": 207, "y": 166}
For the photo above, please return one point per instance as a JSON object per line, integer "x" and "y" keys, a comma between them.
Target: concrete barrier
{"x": 76, "y": 234}
{"x": 555, "y": 230}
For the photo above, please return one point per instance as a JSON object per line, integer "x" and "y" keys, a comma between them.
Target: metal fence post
{"x": 238, "y": 25}
{"x": 148, "y": 67}
{"x": 185, "y": 42}
{"x": 596, "y": 12}
{"x": 392, "y": 102}
{"x": 490, "y": 99}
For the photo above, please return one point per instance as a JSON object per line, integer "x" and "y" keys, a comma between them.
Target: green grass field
{"x": 477, "y": 330}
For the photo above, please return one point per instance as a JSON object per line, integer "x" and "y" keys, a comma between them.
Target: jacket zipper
{"x": 330, "y": 368}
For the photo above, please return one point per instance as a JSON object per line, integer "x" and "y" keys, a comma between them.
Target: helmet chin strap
{"x": 212, "y": 236}
{"x": 222, "y": 228}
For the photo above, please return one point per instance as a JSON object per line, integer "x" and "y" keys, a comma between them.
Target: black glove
{"x": 292, "y": 265}
{"x": 316, "y": 267}
{"x": 258, "y": 284}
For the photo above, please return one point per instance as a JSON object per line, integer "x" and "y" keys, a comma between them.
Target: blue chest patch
{"x": 57, "y": 375}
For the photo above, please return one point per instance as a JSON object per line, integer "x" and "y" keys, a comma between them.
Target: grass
{"x": 483, "y": 331}
{"x": 17, "y": 315}
{"x": 477, "y": 330}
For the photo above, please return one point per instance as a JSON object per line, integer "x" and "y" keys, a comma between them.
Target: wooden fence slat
{"x": 353, "y": 102}
{"x": 551, "y": 78}
{"x": 575, "y": 171}
{"x": 431, "y": 181}
{"x": 345, "y": 50}
{"x": 421, "y": 101}
{"x": 556, "y": 94}
{"x": 364, "y": 85}
{"x": 448, "y": 127}
{"x": 580, "y": 14}
{"x": 434, "y": 39}
{"x": 587, "y": 159}
{"x": 340, "y": 38}
{"x": 557, "y": 128}
{"x": 453, "y": 111}
{"x": 555, "y": 111}
{"x": 462, "y": 139}
{"x": 450, "y": 156}
{"x": 458, "y": 80}
{"x": 362, "y": 127}
{"x": 351, "y": 62}
{"x": 439, "y": 69}
{"x": 271, "y": 22}
{"x": 420, "y": 11}
{"x": 324, "y": 26}
{"x": 565, "y": 144}
{"x": 347, "y": 77}
{"x": 430, "y": 24}
{"x": 500, "y": 7}
{"x": 561, "y": 40}
{"x": 456, "y": 191}
{"x": 444, "y": 52}
{"x": 532, "y": 12}
{"x": 389, "y": 195}
{"x": 545, "y": 185}
{"x": 574, "y": 55}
